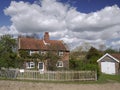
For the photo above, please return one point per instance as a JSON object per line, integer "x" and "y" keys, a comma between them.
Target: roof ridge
{"x": 33, "y": 43}
{"x": 113, "y": 57}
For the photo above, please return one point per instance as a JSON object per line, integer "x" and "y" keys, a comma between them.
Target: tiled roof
{"x": 117, "y": 56}
{"x": 36, "y": 44}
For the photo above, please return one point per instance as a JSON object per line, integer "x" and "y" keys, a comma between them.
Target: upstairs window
{"x": 43, "y": 52}
{"x": 59, "y": 64}
{"x": 60, "y": 53}
{"x": 33, "y": 52}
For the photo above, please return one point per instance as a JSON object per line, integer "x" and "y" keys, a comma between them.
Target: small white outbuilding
{"x": 110, "y": 63}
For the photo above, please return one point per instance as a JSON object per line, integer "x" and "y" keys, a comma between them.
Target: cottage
{"x": 43, "y": 46}
{"x": 110, "y": 63}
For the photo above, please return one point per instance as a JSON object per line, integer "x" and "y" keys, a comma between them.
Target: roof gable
{"x": 111, "y": 56}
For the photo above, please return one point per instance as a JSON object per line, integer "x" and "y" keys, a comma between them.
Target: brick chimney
{"x": 46, "y": 36}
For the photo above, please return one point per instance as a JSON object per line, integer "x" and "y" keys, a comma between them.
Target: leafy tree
{"x": 8, "y": 55}
{"x": 76, "y": 64}
{"x": 52, "y": 59}
{"x": 23, "y": 54}
{"x": 110, "y": 50}
{"x": 84, "y": 47}
{"x": 89, "y": 62}
{"x": 92, "y": 55}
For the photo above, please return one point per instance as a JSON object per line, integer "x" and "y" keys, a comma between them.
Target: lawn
{"x": 105, "y": 78}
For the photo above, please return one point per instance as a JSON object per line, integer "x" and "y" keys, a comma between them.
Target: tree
{"x": 52, "y": 59}
{"x": 22, "y": 56}
{"x": 110, "y": 50}
{"x": 8, "y": 55}
{"x": 84, "y": 47}
{"x": 92, "y": 55}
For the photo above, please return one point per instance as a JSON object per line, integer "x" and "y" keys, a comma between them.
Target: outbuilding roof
{"x": 115, "y": 57}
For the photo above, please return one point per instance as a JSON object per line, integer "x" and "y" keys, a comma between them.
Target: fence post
{"x": 59, "y": 76}
{"x": 95, "y": 75}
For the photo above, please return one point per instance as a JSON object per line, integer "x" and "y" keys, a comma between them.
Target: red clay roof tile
{"x": 36, "y": 44}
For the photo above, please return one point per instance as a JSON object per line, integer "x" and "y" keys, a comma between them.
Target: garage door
{"x": 108, "y": 67}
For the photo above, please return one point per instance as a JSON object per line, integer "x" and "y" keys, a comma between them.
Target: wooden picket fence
{"x": 57, "y": 75}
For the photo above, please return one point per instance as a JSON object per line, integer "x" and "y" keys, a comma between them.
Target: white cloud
{"x": 8, "y": 30}
{"x": 96, "y": 21}
{"x": 3, "y": 30}
{"x": 35, "y": 18}
{"x": 64, "y": 22}
{"x": 115, "y": 44}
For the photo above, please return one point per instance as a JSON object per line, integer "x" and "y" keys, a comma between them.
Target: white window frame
{"x": 43, "y": 52}
{"x": 60, "y": 53}
{"x": 33, "y": 52}
{"x": 30, "y": 65}
{"x": 43, "y": 66}
{"x": 59, "y": 64}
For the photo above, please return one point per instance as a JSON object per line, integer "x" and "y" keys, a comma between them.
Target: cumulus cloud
{"x": 28, "y": 17}
{"x": 116, "y": 43}
{"x": 8, "y": 30}
{"x": 3, "y": 30}
{"x": 64, "y": 22}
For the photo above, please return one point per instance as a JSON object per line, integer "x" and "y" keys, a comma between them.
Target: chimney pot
{"x": 46, "y": 36}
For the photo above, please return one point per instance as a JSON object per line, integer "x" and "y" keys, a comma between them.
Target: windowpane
{"x": 33, "y": 52}
{"x": 40, "y": 65}
{"x": 43, "y": 52}
{"x": 30, "y": 65}
{"x": 60, "y": 53}
{"x": 59, "y": 64}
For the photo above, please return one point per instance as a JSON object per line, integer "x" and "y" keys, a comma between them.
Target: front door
{"x": 41, "y": 66}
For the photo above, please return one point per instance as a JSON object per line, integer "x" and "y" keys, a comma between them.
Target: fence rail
{"x": 58, "y": 75}
{"x": 49, "y": 75}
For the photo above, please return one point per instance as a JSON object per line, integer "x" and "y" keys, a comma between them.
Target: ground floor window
{"x": 30, "y": 65}
{"x": 41, "y": 66}
{"x": 59, "y": 64}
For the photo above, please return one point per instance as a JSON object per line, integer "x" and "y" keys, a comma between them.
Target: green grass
{"x": 104, "y": 78}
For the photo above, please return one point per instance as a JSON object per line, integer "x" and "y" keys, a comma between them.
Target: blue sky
{"x": 96, "y": 22}
{"x": 85, "y": 6}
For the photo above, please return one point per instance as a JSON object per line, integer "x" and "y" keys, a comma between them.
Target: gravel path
{"x": 16, "y": 85}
